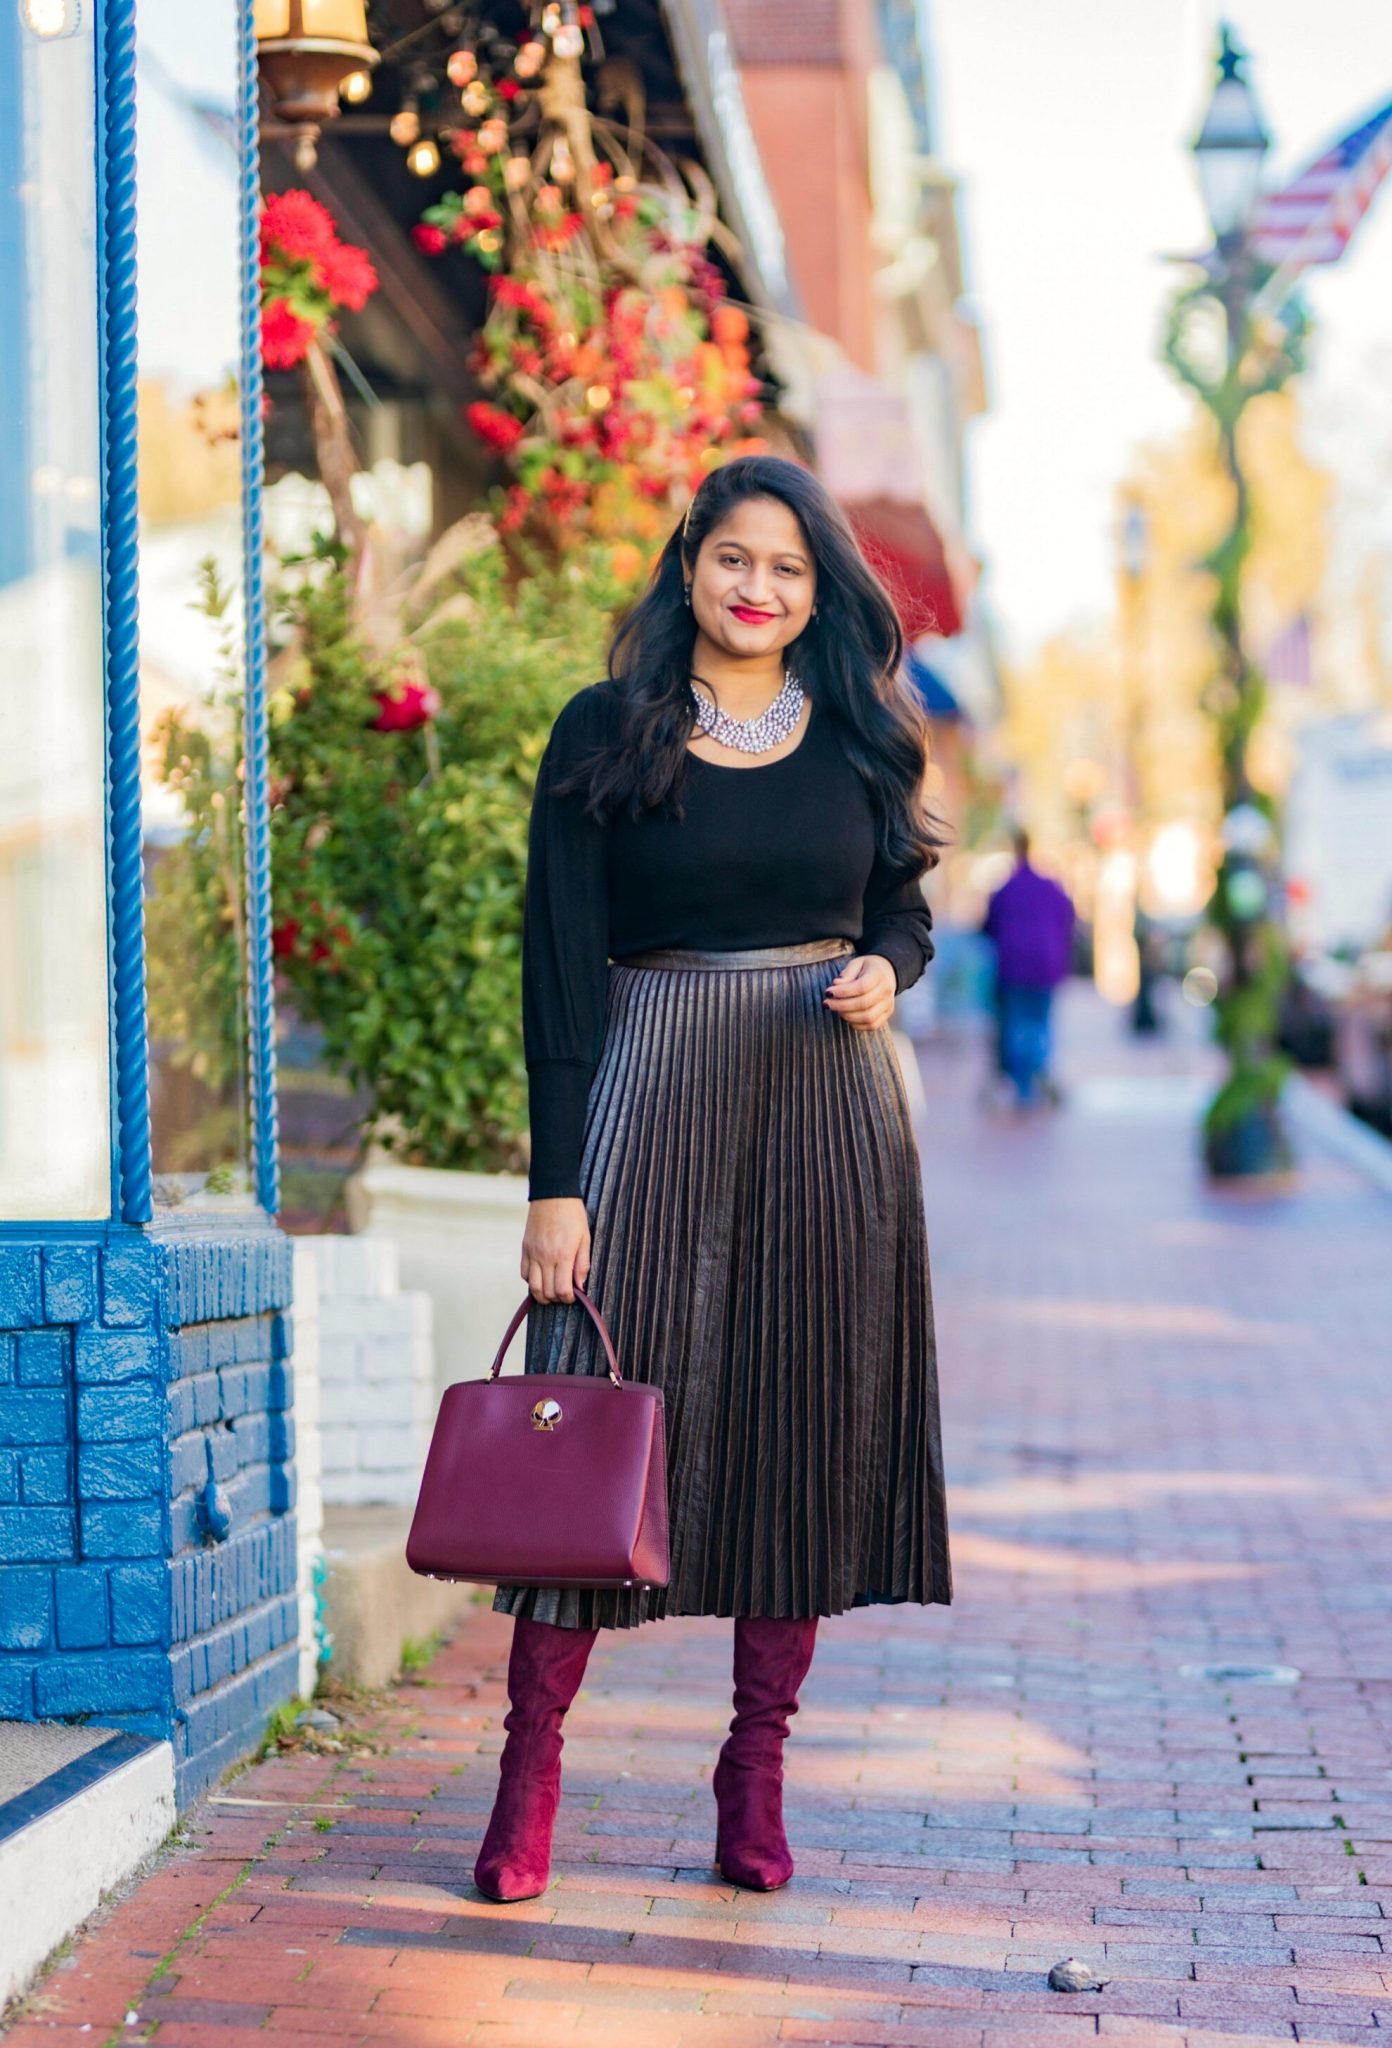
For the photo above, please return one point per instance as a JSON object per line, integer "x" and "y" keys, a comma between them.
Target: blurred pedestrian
{"x": 1029, "y": 921}
{"x": 1146, "y": 1020}
{"x": 707, "y": 989}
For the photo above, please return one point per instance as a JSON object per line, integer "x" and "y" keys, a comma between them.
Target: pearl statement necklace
{"x": 753, "y": 735}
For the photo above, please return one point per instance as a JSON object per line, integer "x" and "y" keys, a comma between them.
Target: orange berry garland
{"x": 608, "y": 400}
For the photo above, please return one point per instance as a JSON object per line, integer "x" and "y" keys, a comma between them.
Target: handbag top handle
{"x": 596, "y": 1318}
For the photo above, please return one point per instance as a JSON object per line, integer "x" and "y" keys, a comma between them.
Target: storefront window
{"x": 191, "y": 634}
{"x": 54, "y": 1112}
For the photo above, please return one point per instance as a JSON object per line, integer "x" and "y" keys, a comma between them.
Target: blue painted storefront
{"x": 147, "y": 1526}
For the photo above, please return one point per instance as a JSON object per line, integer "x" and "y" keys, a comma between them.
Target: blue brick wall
{"x": 147, "y": 1531}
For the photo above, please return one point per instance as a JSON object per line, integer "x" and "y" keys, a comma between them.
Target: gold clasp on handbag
{"x": 546, "y": 1414}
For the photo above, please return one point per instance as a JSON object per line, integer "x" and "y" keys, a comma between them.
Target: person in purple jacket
{"x": 1029, "y": 921}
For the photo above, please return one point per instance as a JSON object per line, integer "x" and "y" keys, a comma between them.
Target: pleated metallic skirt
{"x": 758, "y": 1251}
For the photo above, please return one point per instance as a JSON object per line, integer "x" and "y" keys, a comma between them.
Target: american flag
{"x": 1312, "y": 220}
{"x": 1287, "y": 656}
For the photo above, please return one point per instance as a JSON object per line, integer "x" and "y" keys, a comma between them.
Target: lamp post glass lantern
{"x": 1231, "y": 146}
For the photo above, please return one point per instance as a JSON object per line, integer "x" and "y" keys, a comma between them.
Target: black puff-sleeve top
{"x": 765, "y": 856}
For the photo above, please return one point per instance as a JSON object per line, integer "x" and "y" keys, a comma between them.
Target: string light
{"x": 356, "y": 87}
{"x": 476, "y": 98}
{"x": 567, "y": 36}
{"x": 529, "y": 59}
{"x": 423, "y": 157}
{"x": 562, "y": 162}
{"x": 462, "y": 68}
{"x": 404, "y": 126}
{"x": 490, "y": 241}
{"x": 550, "y": 17}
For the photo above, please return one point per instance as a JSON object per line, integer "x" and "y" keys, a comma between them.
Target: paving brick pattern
{"x": 1167, "y": 1434}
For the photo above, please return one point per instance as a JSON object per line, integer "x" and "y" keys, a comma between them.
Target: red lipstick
{"x": 749, "y": 617}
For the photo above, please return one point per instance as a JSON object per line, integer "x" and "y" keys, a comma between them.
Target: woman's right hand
{"x": 556, "y": 1248}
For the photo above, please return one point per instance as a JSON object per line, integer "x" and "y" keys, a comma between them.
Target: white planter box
{"x": 458, "y": 1239}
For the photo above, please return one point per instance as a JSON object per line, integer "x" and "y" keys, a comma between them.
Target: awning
{"x": 869, "y": 458}
{"x": 905, "y": 550}
{"x": 933, "y": 693}
{"x": 965, "y": 666}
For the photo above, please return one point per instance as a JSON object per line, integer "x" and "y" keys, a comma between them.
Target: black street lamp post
{"x": 1243, "y": 1132}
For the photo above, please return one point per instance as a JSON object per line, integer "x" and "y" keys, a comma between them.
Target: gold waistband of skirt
{"x": 748, "y": 956}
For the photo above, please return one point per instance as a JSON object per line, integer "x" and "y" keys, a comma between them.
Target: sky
{"x": 1068, "y": 122}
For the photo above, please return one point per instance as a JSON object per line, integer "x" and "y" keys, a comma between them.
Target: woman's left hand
{"x": 863, "y": 992}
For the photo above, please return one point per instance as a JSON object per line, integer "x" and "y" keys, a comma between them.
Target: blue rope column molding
{"x": 121, "y": 573}
{"x": 261, "y": 989}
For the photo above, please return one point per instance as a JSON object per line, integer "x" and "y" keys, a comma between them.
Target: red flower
{"x": 501, "y": 430}
{"x": 524, "y": 298}
{"x": 478, "y": 223}
{"x": 404, "y": 709}
{"x": 348, "y": 276}
{"x": 284, "y": 937}
{"x": 431, "y": 241}
{"x": 285, "y": 337}
{"x": 563, "y": 231}
{"x": 508, "y": 88}
{"x": 297, "y": 225}
{"x": 515, "y": 509}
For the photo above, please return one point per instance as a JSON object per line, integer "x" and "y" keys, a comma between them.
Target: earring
{"x": 686, "y": 593}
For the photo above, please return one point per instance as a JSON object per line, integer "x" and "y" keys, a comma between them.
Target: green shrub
{"x": 399, "y": 856}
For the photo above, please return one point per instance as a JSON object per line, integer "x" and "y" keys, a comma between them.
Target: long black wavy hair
{"x": 847, "y": 657}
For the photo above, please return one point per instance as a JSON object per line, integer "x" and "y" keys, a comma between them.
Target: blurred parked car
{"x": 1363, "y": 1038}
{"x": 1339, "y": 903}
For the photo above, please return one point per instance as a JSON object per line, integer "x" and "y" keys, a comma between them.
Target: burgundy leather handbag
{"x": 545, "y": 1479}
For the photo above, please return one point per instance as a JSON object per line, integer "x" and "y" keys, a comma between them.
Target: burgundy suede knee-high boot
{"x": 545, "y": 1667}
{"x": 771, "y": 1661}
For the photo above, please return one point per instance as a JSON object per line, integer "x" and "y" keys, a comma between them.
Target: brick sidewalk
{"x": 1167, "y": 1432}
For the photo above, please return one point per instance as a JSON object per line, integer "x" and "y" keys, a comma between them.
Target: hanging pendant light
{"x": 306, "y": 50}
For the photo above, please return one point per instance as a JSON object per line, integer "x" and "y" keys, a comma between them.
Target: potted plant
{"x": 403, "y": 765}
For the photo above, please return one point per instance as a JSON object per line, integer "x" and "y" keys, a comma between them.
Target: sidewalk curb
{"x": 71, "y": 1839}
{"x": 1340, "y": 1132}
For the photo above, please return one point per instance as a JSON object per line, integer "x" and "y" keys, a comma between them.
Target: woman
{"x": 722, "y": 901}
